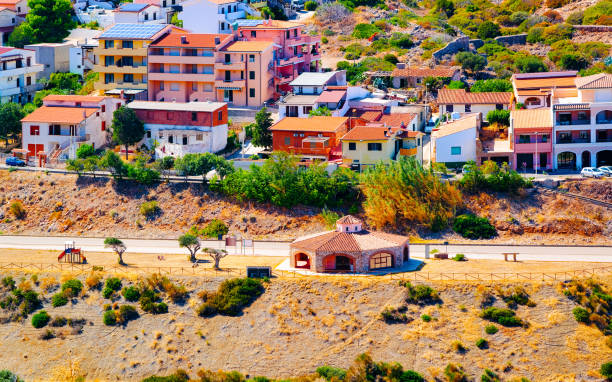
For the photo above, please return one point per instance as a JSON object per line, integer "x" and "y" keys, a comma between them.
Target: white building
{"x": 213, "y": 16}
{"x": 311, "y": 90}
{"x": 461, "y": 101}
{"x": 19, "y": 72}
{"x": 65, "y": 122}
{"x": 454, "y": 142}
{"x": 180, "y": 128}
{"x": 8, "y": 21}
{"x": 134, "y": 13}
{"x": 55, "y": 57}
{"x": 167, "y": 7}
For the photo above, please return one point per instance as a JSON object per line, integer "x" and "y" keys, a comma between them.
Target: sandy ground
{"x": 297, "y": 325}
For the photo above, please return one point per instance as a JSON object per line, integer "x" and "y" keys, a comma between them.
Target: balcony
{"x": 21, "y": 71}
{"x": 530, "y": 147}
{"x": 318, "y": 151}
{"x": 101, "y": 51}
{"x": 231, "y": 84}
{"x": 573, "y": 140}
{"x": 180, "y": 77}
{"x": 574, "y": 122}
{"x": 232, "y": 65}
{"x": 290, "y": 60}
{"x": 197, "y": 60}
{"x": 134, "y": 69}
{"x": 408, "y": 152}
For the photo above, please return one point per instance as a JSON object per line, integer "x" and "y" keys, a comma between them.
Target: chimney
{"x": 183, "y": 39}
{"x": 217, "y": 41}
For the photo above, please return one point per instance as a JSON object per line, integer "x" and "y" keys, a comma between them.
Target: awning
{"x": 315, "y": 139}
{"x": 228, "y": 88}
{"x": 125, "y": 91}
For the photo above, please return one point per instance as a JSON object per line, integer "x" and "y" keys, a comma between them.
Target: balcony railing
{"x": 602, "y": 140}
{"x": 603, "y": 121}
{"x": 574, "y": 122}
{"x": 573, "y": 140}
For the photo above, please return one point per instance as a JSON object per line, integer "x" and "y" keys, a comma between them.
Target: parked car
{"x": 607, "y": 170}
{"x": 14, "y": 161}
{"x": 591, "y": 172}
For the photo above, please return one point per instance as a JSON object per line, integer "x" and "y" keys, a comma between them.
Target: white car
{"x": 591, "y": 172}
{"x": 607, "y": 170}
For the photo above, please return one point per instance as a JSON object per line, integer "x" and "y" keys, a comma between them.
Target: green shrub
{"x": 491, "y": 329}
{"x": 401, "y": 40}
{"x": 231, "y": 297}
{"x": 459, "y": 257}
{"x": 310, "y": 5}
{"x": 421, "y": 294}
{"x": 482, "y": 343}
{"x": 58, "y": 321}
{"x": 606, "y": 370}
{"x": 149, "y": 209}
{"x": 474, "y": 227}
{"x": 581, "y": 314}
{"x": 488, "y": 30}
{"x": 131, "y": 293}
{"x": 502, "y": 316}
{"x": 72, "y": 287}
{"x": 109, "y": 318}
{"x": 17, "y": 210}
{"x": 330, "y": 372}
{"x": 490, "y": 376}
{"x": 85, "y": 151}
{"x": 113, "y": 283}
{"x": 127, "y": 313}
{"x": 27, "y": 302}
{"x": 59, "y": 299}
{"x": 365, "y": 30}
{"x": 501, "y": 117}
{"x": 593, "y": 13}
{"x": 324, "y": 40}
{"x": 178, "y": 376}
{"x": 426, "y": 317}
{"x": 107, "y": 292}
{"x": 47, "y": 335}
{"x": 8, "y": 283}
{"x": 8, "y": 376}
{"x": 455, "y": 373}
{"x": 40, "y": 319}
{"x": 392, "y": 315}
{"x": 214, "y": 228}
{"x": 492, "y": 85}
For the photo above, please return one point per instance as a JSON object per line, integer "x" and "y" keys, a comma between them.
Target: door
{"x": 524, "y": 161}
{"x": 34, "y": 148}
{"x": 228, "y": 95}
{"x": 543, "y": 160}
{"x": 343, "y": 263}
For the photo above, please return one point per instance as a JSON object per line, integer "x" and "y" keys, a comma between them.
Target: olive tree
{"x": 117, "y": 245}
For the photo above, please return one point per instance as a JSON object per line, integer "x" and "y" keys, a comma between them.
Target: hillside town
{"x": 290, "y": 190}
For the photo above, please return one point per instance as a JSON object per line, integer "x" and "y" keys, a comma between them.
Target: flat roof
{"x": 132, "y": 7}
{"x": 312, "y": 79}
{"x": 198, "y": 40}
{"x": 176, "y": 106}
{"x": 74, "y": 98}
{"x": 315, "y": 124}
{"x": 299, "y": 99}
{"x": 132, "y": 31}
{"x": 60, "y": 114}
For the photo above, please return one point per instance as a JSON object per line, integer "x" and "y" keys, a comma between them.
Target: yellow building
{"x": 365, "y": 146}
{"x": 122, "y": 58}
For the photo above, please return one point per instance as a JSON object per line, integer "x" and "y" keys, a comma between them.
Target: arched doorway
{"x": 302, "y": 261}
{"x": 406, "y": 254}
{"x": 586, "y": 159}
{"x": 566, "y": 160}
{"x": 532, "y": 102}
{"x": 338, "y": 263}
{"x": 604, "y": 158}
{"x": 603, "y": 117}
{"x": 381, "y": 260}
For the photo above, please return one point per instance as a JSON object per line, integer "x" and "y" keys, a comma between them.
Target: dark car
{"x": 14, "y": 161}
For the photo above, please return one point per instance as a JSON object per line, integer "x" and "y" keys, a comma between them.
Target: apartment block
{"x": 296, "y": 51}
{"x": 122, "y": 58}
{"x": 65, "y": 122}
{"x": 19, "y": 73}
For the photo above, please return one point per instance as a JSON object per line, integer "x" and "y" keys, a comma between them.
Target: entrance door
{"x": 524, "y": 161}
{"x": 228, "y": 95}
{"x": 33, "y": 149}
{"x": 586, "y": 159}
{"x": 543, "y": 160}
{"x": 343, "y": 263}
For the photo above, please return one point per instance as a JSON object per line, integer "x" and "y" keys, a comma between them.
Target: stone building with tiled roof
{"x": 349, "y": 248}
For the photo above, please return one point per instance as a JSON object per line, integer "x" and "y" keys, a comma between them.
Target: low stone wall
{"x": 457, "y": 45}
{"x": 476, "y": 43}
{"x": 593, "y": 28}
{"x": 516, "y": 39}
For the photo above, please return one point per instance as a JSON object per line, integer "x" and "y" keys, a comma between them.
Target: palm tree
{"x": 117, "y": 246}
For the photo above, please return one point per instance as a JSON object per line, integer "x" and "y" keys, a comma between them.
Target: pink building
{"x": 295, "y": 51}
{"x": 531, "y": 131}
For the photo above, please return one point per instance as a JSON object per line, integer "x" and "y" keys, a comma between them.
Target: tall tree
{"x": 10, "y": 120}
{"x": 127, "y": 128}
{"x": 471, "y": 62}
{"x": 22, "y": 35}
{"x": 262, "y": 136}
{"x": 51, "y": 20}
{"x": 192, "y": 243}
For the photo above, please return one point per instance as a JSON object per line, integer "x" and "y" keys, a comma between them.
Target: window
{"x": 29, "y": 61}
{"x": 222, "y": 26}
{"x": 352, "y": 146}
{"x": 220, "y": 115}
{"x": 287, "y": 141}
{"x": 374, "y": 146}
{"x": 128, "y": 77}
{"x": 194, "y": 116}
{"x": 251, "y": 75}
{"x": 146, "y": 17}
{"x": 251, "y": 58}
{"x": 34, "y": 130}
{"x": 174, "y": 86}
{"x": 241, "y": 75}
{"x": 295, "y": 32}
{"x": 109, "y": 78}
{"x": 55, "y": 130}
{"x": 185, "y": 140}
{"x": 582, "y": 116}
{"x": 228, "y": 76}
{"x": 109, "y": 44}
{"x": 468, "y": 108}
{"x": 288, "y": 34}
{"x": 161, "y": 86}
{"x": 148, "y": 133}
{"x": 199, "y": 137}
{"x": 499, "y": 106}
{"x": 252, "y": 93}
{"x": 127, "y": 44}
{"x": 28, "y": 81}
{"x": 253, "y": 34}
{"x": 449, "y": 108}
{"x": 175, "y": 69}
{"x": 103, "y": 127}
{"x": 109, "y": 60}
{"x": 524, "y": 139}
{"x": 307, "y": 109}
{"x": 103, "y": 108}
{"x": 170, "y": 138}
{"x": 456, "y": 150}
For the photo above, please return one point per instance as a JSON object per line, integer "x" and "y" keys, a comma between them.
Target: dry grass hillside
{"x": 300, "y": 324}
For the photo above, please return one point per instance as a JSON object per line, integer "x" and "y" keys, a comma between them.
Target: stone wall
{"x": 476, "y": 43}
{"x": 516, "y": 39}
{"x": 361, "y": 260}
{"x": 457, "y": 45}
{"x": 593, "y": 28}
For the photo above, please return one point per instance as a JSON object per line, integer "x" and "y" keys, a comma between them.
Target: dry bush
{"x": 93, "y": 281}
{"x": 48, "y": 284}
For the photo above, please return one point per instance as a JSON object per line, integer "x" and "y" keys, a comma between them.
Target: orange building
{"x": 314, "y": 138}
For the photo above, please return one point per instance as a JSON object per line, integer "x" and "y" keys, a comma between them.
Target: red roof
{"x": 56, "y": 114}
{"x": 365, "y": 114}
{"x": 460, "y": 96}
{"x": 335, "y": 241}
{"x": 4, "y": 49}
{"x": 369, "y": 133}
{"x": 348, "y": 219}
{"x": 440, "y": 71}
{"x": 331, "y": 96}
{"x": 396, "y": 119}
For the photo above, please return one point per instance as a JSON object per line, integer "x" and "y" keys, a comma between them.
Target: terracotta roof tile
{"x": 466, "y": 122}
{"x": 348, "y": 242}
{"x": 396, "y": 119}
{"x": 248, "y": 46}
{"x": 596, "y": 81}
{"x": 531, "y": 118}
{"x": 331, "y": 96}
{"x": 74, "y": 98}
{"x": 369, "y": 133}
{"x": 440, "y": 71}
{"x": 349, "y": 219}
{"x": 460, "y": 96}
{"x": 367, "y": 115}
{"x": 57, "y": 114}
{"x": 316, "y": 124}
{"x": 198, "y": 40}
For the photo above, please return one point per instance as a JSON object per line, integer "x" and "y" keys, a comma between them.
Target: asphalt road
{"x": 270, "y": 248}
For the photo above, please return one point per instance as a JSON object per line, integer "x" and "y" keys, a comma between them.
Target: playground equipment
{"x": 71, "y": 254}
